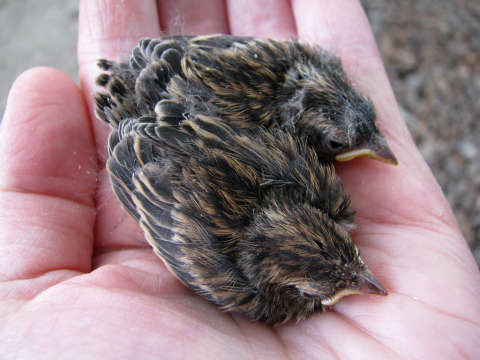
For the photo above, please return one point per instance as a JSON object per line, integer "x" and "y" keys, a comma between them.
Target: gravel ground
{"x": 431, "y": 51}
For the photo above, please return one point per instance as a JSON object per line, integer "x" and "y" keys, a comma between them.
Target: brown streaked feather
{"x": 251, "y": 82}
{"x": 204, "y": 189}
{"x": 211, "y": 151}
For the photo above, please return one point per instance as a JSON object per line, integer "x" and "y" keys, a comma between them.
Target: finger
{"x": 110, "y": 30}
{"x": 47, "y": 177}
{"x": 193, "y": 17}
{"x": 384, "y": 194}
{"x": 320, "y": 336}
{"x": 46, "y": 142}
{"x": 404, "y": 219}
{"x": 266, "y": 18}
{"x": 115, "y": 229}
{"x": 342, "y": 27}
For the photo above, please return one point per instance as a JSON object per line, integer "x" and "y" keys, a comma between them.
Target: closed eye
{"x": 334, "y": 145}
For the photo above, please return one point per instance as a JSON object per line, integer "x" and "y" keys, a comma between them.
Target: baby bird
{"x": 250, "y": 82}
{"x": 252, "y": 221}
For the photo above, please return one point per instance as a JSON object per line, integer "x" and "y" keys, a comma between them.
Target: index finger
{"x": 343, "y": 28}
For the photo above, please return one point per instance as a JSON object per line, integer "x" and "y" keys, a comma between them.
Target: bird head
{"x": 336, "y": 118}
{"x": 304, "y": 257}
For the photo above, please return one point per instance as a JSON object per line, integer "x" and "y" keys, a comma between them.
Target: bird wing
{"x": 194, "y": 182}
{"x": 276, "y": 157}
{"x": 136, "y": 86}
{"x": 154, "y": 62}
{"x": 151, "y": 169}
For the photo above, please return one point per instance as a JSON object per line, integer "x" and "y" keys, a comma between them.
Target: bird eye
{"x": 335, "y": 145}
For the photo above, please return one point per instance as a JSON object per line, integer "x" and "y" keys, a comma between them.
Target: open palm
{"x": 79, "y": 280}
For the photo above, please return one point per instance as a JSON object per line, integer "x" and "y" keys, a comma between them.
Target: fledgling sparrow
{"x": 250, "y": 220}
{"x": 249, "y": 82}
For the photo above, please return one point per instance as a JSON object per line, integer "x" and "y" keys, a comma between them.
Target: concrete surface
{"x": 34, "y": 33}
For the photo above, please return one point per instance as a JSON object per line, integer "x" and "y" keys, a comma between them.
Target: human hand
{"x": 78, "y": 278}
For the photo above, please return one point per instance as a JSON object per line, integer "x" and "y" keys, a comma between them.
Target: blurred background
{"x": 431, "y": 50}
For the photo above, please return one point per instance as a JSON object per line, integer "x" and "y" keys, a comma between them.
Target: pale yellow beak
{"x": 367, "y": 285}
{"x": 378, "y": 150}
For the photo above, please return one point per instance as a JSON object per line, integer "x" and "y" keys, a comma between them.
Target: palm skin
{"x": 78, "y": 278}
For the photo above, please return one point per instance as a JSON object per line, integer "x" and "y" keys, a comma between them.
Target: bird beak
{"x": 366, "y": 285}
{"x": 377, "y": 149}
